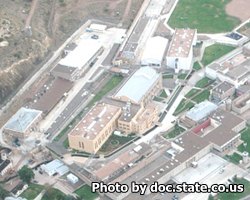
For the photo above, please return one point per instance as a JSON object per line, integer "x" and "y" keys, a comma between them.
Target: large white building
{"x": 154, "y": 51}
{"x": 79, "y": 59}
{"x": 141, "y": 87}
{"x": 180, "y": 53}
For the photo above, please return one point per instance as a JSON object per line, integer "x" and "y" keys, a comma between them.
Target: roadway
{"x": 80, "y": 94}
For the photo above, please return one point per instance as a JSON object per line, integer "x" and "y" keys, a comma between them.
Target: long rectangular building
{"x": 180, "y": 52}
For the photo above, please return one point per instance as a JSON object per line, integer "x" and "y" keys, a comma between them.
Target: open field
{"x": 191, "y": 93}
{"x": 214, "y": 52}
{"x": 183, "y": 106}
{"x": 207, "y": 16}
{"x": 114, "y": 142}
{"x": 201, "y": 96}
{"x": 204, "y": 82}
{"x": 84, "y": 192}
{"x": 175, "y": 131}
{"x": 196, "y": 66}
{"x": 236, "y": 196}
{"x": 234, "y": 158}
{"x": 32, "y": 191}
{"x": 245, "y": 136}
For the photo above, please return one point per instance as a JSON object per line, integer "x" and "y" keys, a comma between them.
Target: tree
{"x": 3, "y": 193}
{"x": 26, "y": 174}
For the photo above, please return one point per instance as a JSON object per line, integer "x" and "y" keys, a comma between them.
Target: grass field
{"x": 184, "y": 105}
{"x": 245, "y": 136}
{"x": 53, "y": 194}
{"x": 32, "y": 191}
{"x": 201, "y": 96}
{"x": 110, "y": 85}
{"x": 85, "y": 193}
{"x": 192, "y": 93}
{"x": 196, "y": 66}
{"x": 236, "y": 196}
{"x": 182, "y": 76}
{"x": 114, "y": 142}
{"x": 214, "y": 52}
{"x": 177, "y": 130}
{"x": 207, "y": 16}
{"x": 163, "y": 94}
{"x": 203, "y": 82}
{"x": 168, "y": 76}
{"x": 234, "y": 158}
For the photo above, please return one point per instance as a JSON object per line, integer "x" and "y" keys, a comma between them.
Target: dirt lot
{"x": 51, "y": 22}
{"x": 239, "y": 9}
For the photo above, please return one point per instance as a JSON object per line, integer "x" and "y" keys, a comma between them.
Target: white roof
{"x": 154, "y": 50}
{"x": 62, "y": 170}
{"x": 22, "y": 119}
{"x": 201, "y": 110}
{"x": 138, "y": 84}
{"x": 72, "y": 177}
{"x": 85, "y": 50}
{"x": 51, "y": 167}
{"x": 99, "y": 27}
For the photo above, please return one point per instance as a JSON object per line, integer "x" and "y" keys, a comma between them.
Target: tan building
{"x": 139, "y": 122}
{"x": 95, "y": 128}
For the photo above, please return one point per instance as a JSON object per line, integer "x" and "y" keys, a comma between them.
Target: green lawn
{"x": 177, "y": 130}
{"x": 114, "y": 142}
{"x": 196, "y": 66}
{"x": 204, "y": 82}
{"x": 201, "y": 96}
{"x": 85, "y": 193}
{"x": 192, "y": 93}
{"x": 236, "y": 196}
{"x": 234, "y": 158}
{"x": 163, "y": 94}
{"x": 208, "y": 16}
{"x": 158, "y": 99}
{"x": 168, "y": 76}
{"x": 182, "y": 76}
{"x": 110, "y": 85}
{"x": 214, "y": 52}
{"x": 32, "y": 191}
{"x": 245, "y": 136}
{"x": 184, "y": 105}
{"x": 53, "y": 194}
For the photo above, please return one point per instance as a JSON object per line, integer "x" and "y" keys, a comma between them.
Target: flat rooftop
{"x": 185, "y": 147}
{"x": 138, "y": 84}
{"x": 51, "y": 94}
{"x": 95, "y": 120}
{"x": 85, "y": 50}
{"x": 223, "y": 87}
{"x": 181, "y": 43}
{"x": 22, "y": 119}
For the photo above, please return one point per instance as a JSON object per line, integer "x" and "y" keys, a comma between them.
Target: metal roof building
{"x": 201, "y": 110}
{"x": 22, "y": 120}
{"x": 55, "y": 166}
{"x": 154, "y": 51}
{"x": 140, "y": 83}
